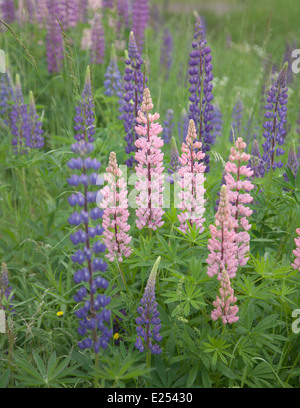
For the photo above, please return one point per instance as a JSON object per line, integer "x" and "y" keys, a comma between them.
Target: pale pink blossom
{"x": 115, "y": 216}
{"x": 149, "y": 170}
{"x": 191, "y": 182}
{"x": 224, "y": 308}
{"x": 296, "y": 252}
{"x": 223, "y": 242}
{"x": 238, "y": 187}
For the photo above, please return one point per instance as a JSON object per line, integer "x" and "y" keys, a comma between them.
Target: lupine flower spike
{"x": 97, "y": 40}
{"x": 149, "y": 168}
{"x": 5, "y": 289}
{"x": 191, "y": 182}
{"x": 148, "y": 323}
{"x": 113, "y": 78}
{"x": 115, "y": 217}
{"x": 224, "y": 305}
{"x": 201, "y": 89}
{"x": 222, "y": 244}
{"x": 54, "y": 40}
{"x": 134, "y": 81}
{"x": 274, "y": 125}
{"x": 293, "y": 162}
{"x": 238, "y": 187}
{"x": 140, "y": 17}
{"x": 19, "y": 119}
{"x": 296, "y": 252}
{"x": 6, "y": 96}
{"x": 91, "y": 319}
{"x": 34, "y": 132}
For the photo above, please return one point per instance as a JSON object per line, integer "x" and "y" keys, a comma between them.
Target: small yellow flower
{"x": 60, "y": 313}
{"x": 116, "y": 336}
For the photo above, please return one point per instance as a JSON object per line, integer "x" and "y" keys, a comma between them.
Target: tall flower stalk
{"x": 224, "y": 304}
{"x": 222, "y": 244}
{"x": 238, "y": 186}
{"x": 140, "y": 17}
{"x": 6, "y": 96}
{"x": 148, "y": 323}
{"x": 93, "y": 315}
{"x": 34, "y": 132}
{"x": 115, "y": 217}
{"x": 201, "y": 77}
{"x": 19, "y": 119}
{"x": 97, "y": 40}
{"x": 149, "y": 169}
{"x": 113, "y": 78}
{"x": 134, "y": 82}
{"x": 274, "y": 125}
{"x": 191, "y": 182}
{"x": 222, "y": 260}
{"x": 54, "y": 39}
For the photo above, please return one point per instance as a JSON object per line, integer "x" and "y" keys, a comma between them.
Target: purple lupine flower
{"x": 201, "y": 90}
{"x": 217, "y": 123}
{"x": 255, "y": 162}
{"x": 168, "y": 126}
{"x": 85, "y": 115}
{"x": 174, "y": 162}
{"x": 97, "y": 40}
{"x": 113, "y": 78}
{"x": 8, "y": 11}
{"x": 166, "y": 53}
{"x": 274, "y": 125}
{"x": 183, "y": 126}
{"x": 33, "y": 133}
{"x": 83, "y": 11}
{"x": 236, "y": 124}
{"x": 134, "y": 82}
{"x": 293, "y": 162}
{"x": 122, "y": 14}
{"x": 94, "y": 315}
{"x": 5, "y": 288}
{"x": 72, "y": 11}
{"x": 107, "y": 4}
{"x": 54, "y": 40}
{"x": 140, "y": 17}
{"x": 19, "y": 119}
{"x": 6, "y": 96}
{"x": 148, "y": 323}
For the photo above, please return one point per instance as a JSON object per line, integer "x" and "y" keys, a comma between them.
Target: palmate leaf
{"x": 55, "y": 374}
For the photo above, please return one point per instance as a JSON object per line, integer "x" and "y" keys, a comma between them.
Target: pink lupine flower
{"x": 191, "y": 194}
{"x": 150, "y": 167}
{"x": 222, "y": 244}
{"x": 223, "y": 303}
{"x": 115, "y": 217}
{"x": 296, "y": 252}
{"x": 238, "y": 185}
